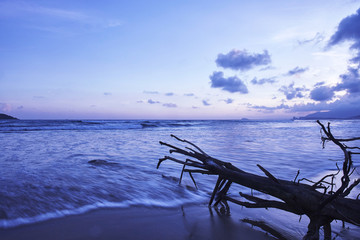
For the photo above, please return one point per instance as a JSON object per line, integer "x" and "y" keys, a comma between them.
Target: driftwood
{"x": 319, "y": 201}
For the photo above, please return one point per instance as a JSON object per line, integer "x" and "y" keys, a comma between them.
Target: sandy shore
{"x": 189, "y": 222}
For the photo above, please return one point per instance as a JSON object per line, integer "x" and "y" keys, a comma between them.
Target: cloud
{"x": 347, "y": 106}
{"x": 348, "y": 29}
{"x": 316, "y": 39}
{"x": 170, "y": 105}
{"x": 150, "y": 101}
{"x": 269, "y": 109}
{"x": 169, "y": 94}
{"x": 290, "y": 92}
{"x": 319, "y": 84}
{"x": 13, "y": 8}
{"x": 229, "y": 100}
{"x": 231, "y": 84}
{"x": 322, "y": 93}
{"x": 43, "y": 15}
{"x": 262, "y": 81}
{"x": 107, "y": 93}
{"x": 206, "y": 103}
{"x": 242, "y": 60}
{"x": 349, "y": 82}
{"x": 151, "y": 92}
{"x": 267, "y": 68}
{"x": 296, "y": 70}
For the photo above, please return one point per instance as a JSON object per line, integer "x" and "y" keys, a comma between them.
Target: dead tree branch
{"x": 295, "y": 197}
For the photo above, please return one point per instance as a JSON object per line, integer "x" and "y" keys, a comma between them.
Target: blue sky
{"x": 178, "y": 59}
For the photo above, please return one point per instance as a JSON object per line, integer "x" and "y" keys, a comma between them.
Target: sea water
{"x": 53, "y": 168}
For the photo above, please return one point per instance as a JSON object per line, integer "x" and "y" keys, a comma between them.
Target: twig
{"x": 298, "y": 172}
{"x": 185, "y": 141}
{"x": 268, "y": 174}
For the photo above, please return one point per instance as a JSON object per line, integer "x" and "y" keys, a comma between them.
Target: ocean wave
{"x": 151, "y": 124}
{"x": 82, "y": 122}
{"x": 11, "y": 223}
{"x": 81, "y": 125}
{"x": 59, "y": 125}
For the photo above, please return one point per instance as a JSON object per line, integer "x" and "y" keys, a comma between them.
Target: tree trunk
{"x": 295, "y": 197}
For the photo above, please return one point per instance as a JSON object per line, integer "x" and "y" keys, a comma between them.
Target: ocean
{"x": 54, "y": 168}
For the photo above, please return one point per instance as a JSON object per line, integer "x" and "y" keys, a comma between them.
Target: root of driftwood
{"x": 295, "y": 197}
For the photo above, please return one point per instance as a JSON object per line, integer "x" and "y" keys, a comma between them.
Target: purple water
{"x": 49, "y": 169}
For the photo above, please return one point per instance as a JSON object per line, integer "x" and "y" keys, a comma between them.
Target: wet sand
{"x": 189, "y": 222}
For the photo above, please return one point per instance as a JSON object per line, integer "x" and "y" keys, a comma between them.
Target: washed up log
{"x": 319, "y": 201}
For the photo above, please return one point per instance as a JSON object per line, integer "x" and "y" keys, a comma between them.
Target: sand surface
{"x": 189, "y": 222}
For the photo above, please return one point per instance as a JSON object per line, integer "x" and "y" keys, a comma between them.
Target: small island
{"x": 4, "y": 116}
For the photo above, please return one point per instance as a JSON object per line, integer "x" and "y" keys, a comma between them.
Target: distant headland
{"x": 4, "y": 116}
{"x": 330, "y": 115}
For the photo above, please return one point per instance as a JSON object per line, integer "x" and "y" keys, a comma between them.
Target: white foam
{"x": 10, "y": 223}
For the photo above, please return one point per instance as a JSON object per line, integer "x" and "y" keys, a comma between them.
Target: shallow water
{"x": 49, "y": 169}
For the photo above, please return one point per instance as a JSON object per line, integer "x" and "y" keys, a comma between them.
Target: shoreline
{"x": 187, "y": 222}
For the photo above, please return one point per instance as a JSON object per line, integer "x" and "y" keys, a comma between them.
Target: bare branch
{"x": 322, "y": 180}
{"x": 183, "y": 140}
{"x": 267, "y": 173}
{"x": 347, "y": 139}
{"x": 199, "y": 171}
{"x": 348, "y": 190}
{"x": 298, "y": 172}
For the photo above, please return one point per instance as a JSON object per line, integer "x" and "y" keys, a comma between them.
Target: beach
{"x": 188, "y": 222}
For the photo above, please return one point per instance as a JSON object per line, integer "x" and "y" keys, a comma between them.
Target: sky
{"x": 180, "y": 59}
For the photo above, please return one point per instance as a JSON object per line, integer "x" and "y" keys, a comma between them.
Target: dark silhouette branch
{"x": 295, "y": 197}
